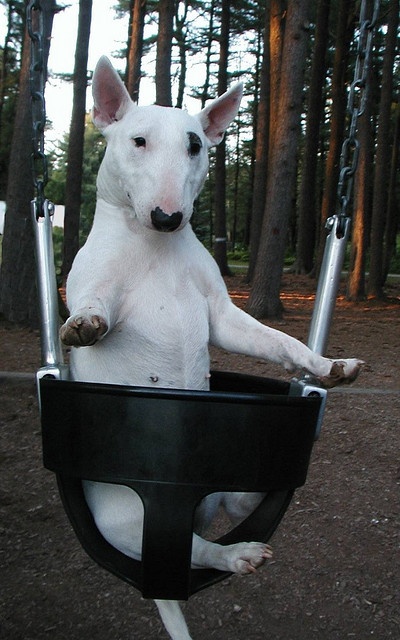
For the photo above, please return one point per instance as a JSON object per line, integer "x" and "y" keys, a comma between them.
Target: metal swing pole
{"x": 42, "y": 210}
{"x": 338, "y": 226}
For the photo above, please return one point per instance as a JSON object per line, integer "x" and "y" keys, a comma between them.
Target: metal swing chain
{"x": 338, "y": 225}
{"x": 42, "y": 209}
{"x": 355, "y": 108}
{"x": 37, "y": 80}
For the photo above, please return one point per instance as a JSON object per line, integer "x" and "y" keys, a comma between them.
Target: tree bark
{"x": 307, "y": 194}
{"x": 261, "y": 152}
{"x": 220, "y": 243}
{"x": 4, "y": 156}
{"x": 137, "y": 12}
{"x": 166, "y": 10}
{"x": 382, "y": 164}
{"x": 18, "y": 295}
{"x": 362, "y": 201}
{"x": 264, "y": 299}
{"x": 393, "y": 217}
{"x": 73, "y": 186}
{"x": 345, "y": 28}
{"x": 210, "y": 37}
{"x": 180, "y": 35}
{"x": 278, "y": 14}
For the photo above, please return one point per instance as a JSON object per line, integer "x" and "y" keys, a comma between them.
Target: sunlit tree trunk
{"x": 137, "y": 12}
{"x": 264, "y": 299}
{"x": 278, "y": 10}
{"x": 261, "y": 152}
{"x": 383, "y": 150}
{"x": 362, "y": 205}
{"x": 274, "y": 29}
{"x": 73, "y": 186}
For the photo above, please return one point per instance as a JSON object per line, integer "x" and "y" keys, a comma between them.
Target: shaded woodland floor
{"x": 335, "y": 571}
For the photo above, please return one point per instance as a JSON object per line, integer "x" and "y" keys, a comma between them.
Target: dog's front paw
{"x": 83, "y": 331}
{"x": 342, "y": 372}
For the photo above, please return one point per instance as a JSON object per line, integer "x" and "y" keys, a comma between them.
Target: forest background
{"x": 274, "y": 179}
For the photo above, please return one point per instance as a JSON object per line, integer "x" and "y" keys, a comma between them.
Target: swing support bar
{"x": 52, "y": 357}
{"x": 328, "y": 283}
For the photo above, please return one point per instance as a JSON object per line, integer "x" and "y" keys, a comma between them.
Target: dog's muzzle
{"x": 164, "y": 222}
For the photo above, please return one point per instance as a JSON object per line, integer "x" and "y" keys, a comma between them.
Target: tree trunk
{"x": 220, "y": 243}
{"x": 18, "y": 296}
{"x": 4, "y": 153}
{"x": 261, "y": 152}
{"x": 180, "y": 35}
{"x": 166, "y": 9}
{"x": 137, "y": 12}
{"x": 362, "y": 201}
{"x": 345, "y": 28}
{"x": 73, "y": 184}
{"x": 210, "y": 37}
{"x": 393, "y": 218}
{"x": 307, "y": 193}
{"x": 382, "y": 164}
{"x": 278, "y": 9}
{"x": 264, "y": 299}
{"x": 362, "y": 198}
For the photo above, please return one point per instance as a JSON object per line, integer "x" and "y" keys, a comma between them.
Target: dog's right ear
{"x": 111, "y": 99}
{"x": 217, "y": 116}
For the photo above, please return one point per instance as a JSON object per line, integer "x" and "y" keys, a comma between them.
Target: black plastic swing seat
{"x": 174, "y": 447}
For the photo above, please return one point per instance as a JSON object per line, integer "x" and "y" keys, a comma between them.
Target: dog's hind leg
{"x": 241, "y": 558}
{"x": 173, "y": 619}
{"x": 239, "y": 505}
{"x": 118, "y": 513}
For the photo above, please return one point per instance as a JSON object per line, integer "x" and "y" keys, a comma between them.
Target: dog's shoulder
{"x": 204, "y": 269}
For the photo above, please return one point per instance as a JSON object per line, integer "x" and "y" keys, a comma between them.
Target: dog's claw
{"x": 342, "y": 372}
{"x": 81, "y": 331}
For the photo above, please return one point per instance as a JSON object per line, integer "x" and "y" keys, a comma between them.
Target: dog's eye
{"x": 139, "y": 142}
{"x": 194, "y": 144}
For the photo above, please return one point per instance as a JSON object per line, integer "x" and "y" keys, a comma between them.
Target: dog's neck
{"x": 111, "y": 220}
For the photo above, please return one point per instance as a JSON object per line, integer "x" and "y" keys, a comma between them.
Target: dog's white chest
{"x": 161, "y": 332}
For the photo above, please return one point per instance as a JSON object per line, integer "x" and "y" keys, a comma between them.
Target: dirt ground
{"x": 336, "y": 567}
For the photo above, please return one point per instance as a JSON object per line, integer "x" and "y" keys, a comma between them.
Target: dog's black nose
{"x": 164, "y": 222}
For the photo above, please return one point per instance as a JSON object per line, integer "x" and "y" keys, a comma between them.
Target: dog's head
{"x": 157, "y": 157}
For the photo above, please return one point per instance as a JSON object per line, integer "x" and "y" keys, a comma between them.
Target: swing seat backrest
{"x": 174, "y": 447}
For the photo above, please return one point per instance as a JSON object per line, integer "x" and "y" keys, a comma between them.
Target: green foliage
{"x": 239, "y": 254}
{"x": 395, "y": 261}
{"x": 202, "y": 47}
{"x": 94, "y": 147}
{"x": 58, "y": 237}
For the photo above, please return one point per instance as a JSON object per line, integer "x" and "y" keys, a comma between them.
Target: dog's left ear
{"x": 217, "y": 116}
{"x": 111, "y": 98}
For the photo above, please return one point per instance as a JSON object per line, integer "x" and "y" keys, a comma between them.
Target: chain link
{"x": 37, "y": 79}
{"x": 355, "y": 108}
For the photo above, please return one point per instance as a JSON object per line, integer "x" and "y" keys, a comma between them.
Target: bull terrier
{"x": 147, "y": 299}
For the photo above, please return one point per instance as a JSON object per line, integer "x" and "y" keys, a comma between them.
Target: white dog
{"x": 145, "y": 304}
